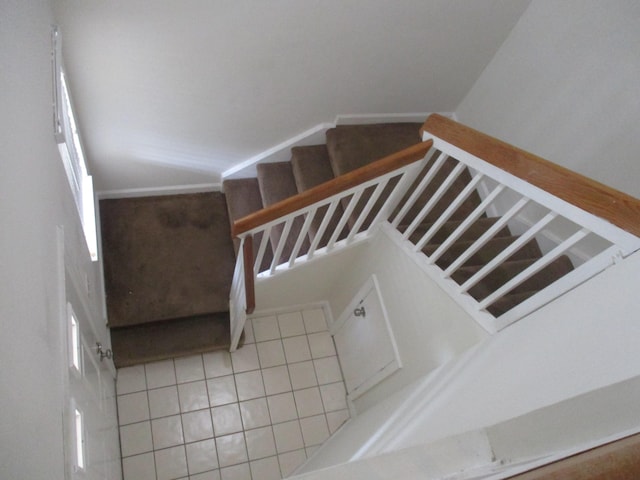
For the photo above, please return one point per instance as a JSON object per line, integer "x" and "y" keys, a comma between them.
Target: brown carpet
{"x": 168, "y": 267}
{"x": 166, "y": 257}
{"x": 170, "y": 338}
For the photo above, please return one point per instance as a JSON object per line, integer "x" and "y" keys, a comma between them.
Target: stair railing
{"x": 568, "y": 214}
{"x": 359, "y": 192}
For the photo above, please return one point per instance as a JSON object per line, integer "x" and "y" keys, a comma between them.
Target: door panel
{"x": 91, "y": 442}
{"x": 364, "y": 341}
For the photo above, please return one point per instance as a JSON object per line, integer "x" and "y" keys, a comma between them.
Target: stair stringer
{"x": 316, "y": 135}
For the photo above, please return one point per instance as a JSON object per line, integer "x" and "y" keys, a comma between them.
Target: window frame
{"x": 67, "y": 137}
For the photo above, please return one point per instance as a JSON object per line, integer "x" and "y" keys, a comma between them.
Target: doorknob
{"x": 103, "y": 353}
{"x": 360, "y": 312}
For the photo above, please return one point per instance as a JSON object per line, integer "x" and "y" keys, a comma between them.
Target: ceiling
{"x": 172, "y": 92}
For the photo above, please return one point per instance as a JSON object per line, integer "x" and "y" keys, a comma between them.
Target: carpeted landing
{"x": 168, "y": 265}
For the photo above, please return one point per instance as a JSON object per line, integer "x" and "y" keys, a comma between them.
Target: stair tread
{"x": 276, "y": 182}
{"x": 353, "y": 146}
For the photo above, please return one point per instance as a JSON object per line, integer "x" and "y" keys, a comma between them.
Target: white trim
{"x": 365, "y": 118}
{"x": 316, "y": 135}
{"x": 279, "y": 152}
{"x": 323, "y": 304}
{"x": 159, "y": 191}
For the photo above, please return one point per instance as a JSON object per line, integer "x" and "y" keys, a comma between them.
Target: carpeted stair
{"x": 168, "y": 264}
{"x": 352, "y": 146}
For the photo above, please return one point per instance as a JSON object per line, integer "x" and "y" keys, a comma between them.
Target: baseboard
{"x": 323, "y": 304}
{"x": 315, "y": 136}
{"x": 158, "y": 191}
{"x": 278, "y": 153}
{"x": 359, "y": 119}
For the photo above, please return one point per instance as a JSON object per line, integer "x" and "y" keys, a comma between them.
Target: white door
{"x": 364, "y": 341}
{"x": 91, "y": 440}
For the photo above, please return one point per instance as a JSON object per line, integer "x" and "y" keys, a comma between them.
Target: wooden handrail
{"x": 596, "y": 198}
{"x": 332, "y": 187}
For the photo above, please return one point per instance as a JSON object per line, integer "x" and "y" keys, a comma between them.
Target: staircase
{"x": 350, "y": 147}
{"x": 456, "y": 201}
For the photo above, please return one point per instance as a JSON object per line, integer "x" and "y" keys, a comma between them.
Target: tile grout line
{"x": 291, "y": 390}
{"x": 213, "y": 429}
{"x": 184, "y": 440}
{"x": 153, "y": 446}
{"x": 273, "y": 435}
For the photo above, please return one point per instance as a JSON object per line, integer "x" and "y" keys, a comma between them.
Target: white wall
{"x": 34, "y": 200}
{"x": 509, "y": 447}
{"x": 584, "y": 341}
{"x": 564, "y": 85}
{"x": 429, "y": 327}
{"x": 178, "y": 93}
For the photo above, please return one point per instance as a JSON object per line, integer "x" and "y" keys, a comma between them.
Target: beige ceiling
{"x": 175, "y": 92}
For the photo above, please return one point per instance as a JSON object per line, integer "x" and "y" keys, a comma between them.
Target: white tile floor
{"x": 255, "y": 414}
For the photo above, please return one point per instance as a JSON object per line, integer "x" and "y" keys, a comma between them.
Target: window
{"x": 74, "y": 341}
{"x": 70, "y": 147}
{"x": 78, "y": 424}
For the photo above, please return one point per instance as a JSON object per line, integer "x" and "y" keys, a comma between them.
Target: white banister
{"x": 323, "y": 226}
{"x": 262, "y": 249}
{"x": 484, "y": 238}
{"x": 446, "y": 215}
{"x": 237, "y": 301}
{"x": 435, "y": 168}
{"x": 507, "y": 252}
{"x": 365, "y": 211}
{"x": 455, "y": 173}
{"x": 506, "y": 201}
{"x": 303, "y": 234}
{"x": 535, "y": 268}
{"x": 345, "y": 217}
